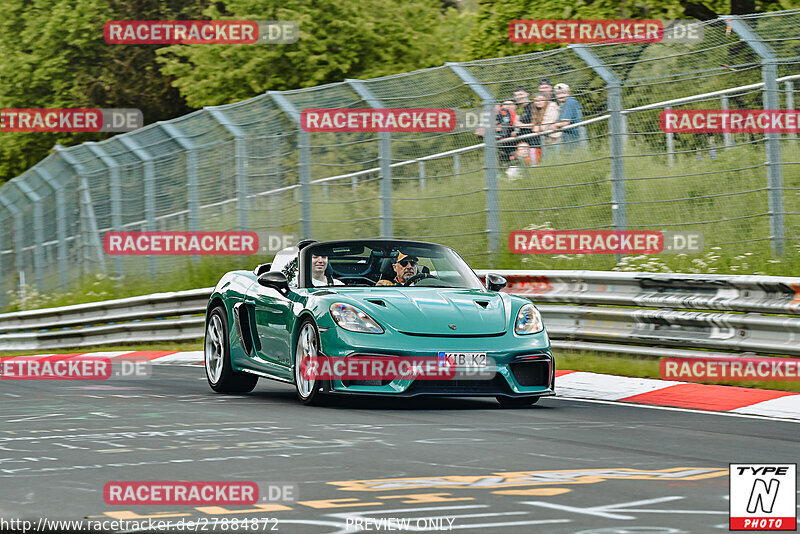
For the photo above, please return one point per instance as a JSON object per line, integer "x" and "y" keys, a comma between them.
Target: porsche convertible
{"x": 387, "y": 300}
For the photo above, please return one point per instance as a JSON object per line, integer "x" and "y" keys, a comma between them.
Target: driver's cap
{"x": 401, "y": 257}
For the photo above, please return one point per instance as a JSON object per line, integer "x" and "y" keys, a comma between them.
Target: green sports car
{"x": 375, "y": 317}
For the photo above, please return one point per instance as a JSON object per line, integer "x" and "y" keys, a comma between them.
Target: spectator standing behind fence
{"x": 520, "y": 159}
{"x": 505, "y": 120}
{"x": 547, "y": 90}
{"x": 544, "y": 116}
{"x": 569, "y": 113}
{"x": 524, "y": 124}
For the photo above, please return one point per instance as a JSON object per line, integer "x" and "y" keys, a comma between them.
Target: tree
{"x": 53, "y": 55}
{"x": 339, "y": 39}
{"x": 490, "y": 37}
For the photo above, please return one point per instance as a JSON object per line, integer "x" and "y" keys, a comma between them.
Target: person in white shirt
{"x": 318, "y": 277}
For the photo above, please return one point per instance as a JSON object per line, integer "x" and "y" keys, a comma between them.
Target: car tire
{"x": 517, "y": 402}
{"x": 217, "y": 357}
{"x": 308, "y": 390}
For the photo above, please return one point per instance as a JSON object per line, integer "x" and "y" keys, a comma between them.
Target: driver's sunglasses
{"x": 406, "y": 263}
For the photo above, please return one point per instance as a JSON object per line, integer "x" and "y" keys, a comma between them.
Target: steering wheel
{"x": 417, "y": 277}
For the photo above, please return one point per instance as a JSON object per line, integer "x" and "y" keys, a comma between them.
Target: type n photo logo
{"x": 763, "y": 497}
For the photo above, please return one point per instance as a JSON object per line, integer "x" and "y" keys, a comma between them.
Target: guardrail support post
{"x": 384, "y": 156}
{"x": 769, "y": 74}
{"x": 149, "y": 192}
{"x": 85, "y": 201}
{"x": 490, "y": 157}
{"x": 240, "y": 145}
{"x": 616, "y": 131}
{"x": 38, "y": 231}
{"x": 304, "y": 146}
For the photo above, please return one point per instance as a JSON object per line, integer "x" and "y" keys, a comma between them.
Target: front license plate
{"x": 463, "y": 360}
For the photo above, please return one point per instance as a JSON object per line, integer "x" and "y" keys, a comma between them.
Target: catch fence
{"x": 249, "y": 166}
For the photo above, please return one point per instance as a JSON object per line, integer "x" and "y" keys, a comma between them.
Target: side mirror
{"x": 495, "y": 282}
{"x": 276, "y": 280}
{"x": 261, "y": 269}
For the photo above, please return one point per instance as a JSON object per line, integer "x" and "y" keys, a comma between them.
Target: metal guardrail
{"x": 647, "y": 314}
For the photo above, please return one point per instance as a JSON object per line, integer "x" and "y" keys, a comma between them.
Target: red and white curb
{"x": 156, "y": 357}
{"x": 650, "y": 391}
{"x": 585, "y": 385}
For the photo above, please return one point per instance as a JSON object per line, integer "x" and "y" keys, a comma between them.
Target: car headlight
{"x": 351, "y": 318}
{"x": 529, "y": 321}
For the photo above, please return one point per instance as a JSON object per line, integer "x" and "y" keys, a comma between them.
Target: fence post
{"x": 616, "y": 131}
{"x": 726, "y": 136}
{"x": 490, "y": 157}
{"x": 789, "y": 86}
{"x": 192, "y": 198}
{"x": 17, "y": 215}
{"x": 38, "y": 230}
{"x": 240, "y": 145}
{"x": 769, "y": 73}
{"x": 85, "y": 200}
{"x": 149, "y": 192}
{"x": 115, "y": 193}
{"x": 2, "y": 246}
{"x": 61, "y": 219}
{"x": 304, "y": 146}
{"x": 670, "y": 144}
{"x": 384, "y": 156}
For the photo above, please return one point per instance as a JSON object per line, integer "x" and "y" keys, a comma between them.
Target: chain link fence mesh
{"x": 249, "y": 166}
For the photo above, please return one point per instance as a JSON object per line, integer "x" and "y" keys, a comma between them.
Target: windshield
{"x": 385, "y": 263}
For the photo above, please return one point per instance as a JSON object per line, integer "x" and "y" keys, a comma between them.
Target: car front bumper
{"x": 521, "y": 366}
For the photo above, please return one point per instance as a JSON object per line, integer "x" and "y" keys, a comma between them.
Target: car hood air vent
{"x": 482, "y": 303}
{"x": 379, "y": 302}
{"x": 324, "y": 292}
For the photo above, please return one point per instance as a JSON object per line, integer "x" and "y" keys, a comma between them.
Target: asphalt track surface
{"x": 461, "y": 464}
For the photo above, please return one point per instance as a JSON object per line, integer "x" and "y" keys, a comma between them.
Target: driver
{"x": 405, "y": 268}
{"x": 318, "y": 276}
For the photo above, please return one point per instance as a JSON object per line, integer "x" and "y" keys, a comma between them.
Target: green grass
{"x": 442, "y": 211}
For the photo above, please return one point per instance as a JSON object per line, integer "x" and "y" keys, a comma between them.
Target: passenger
{"x": 319, "y": 264}
{"x": 405, "y": 268}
